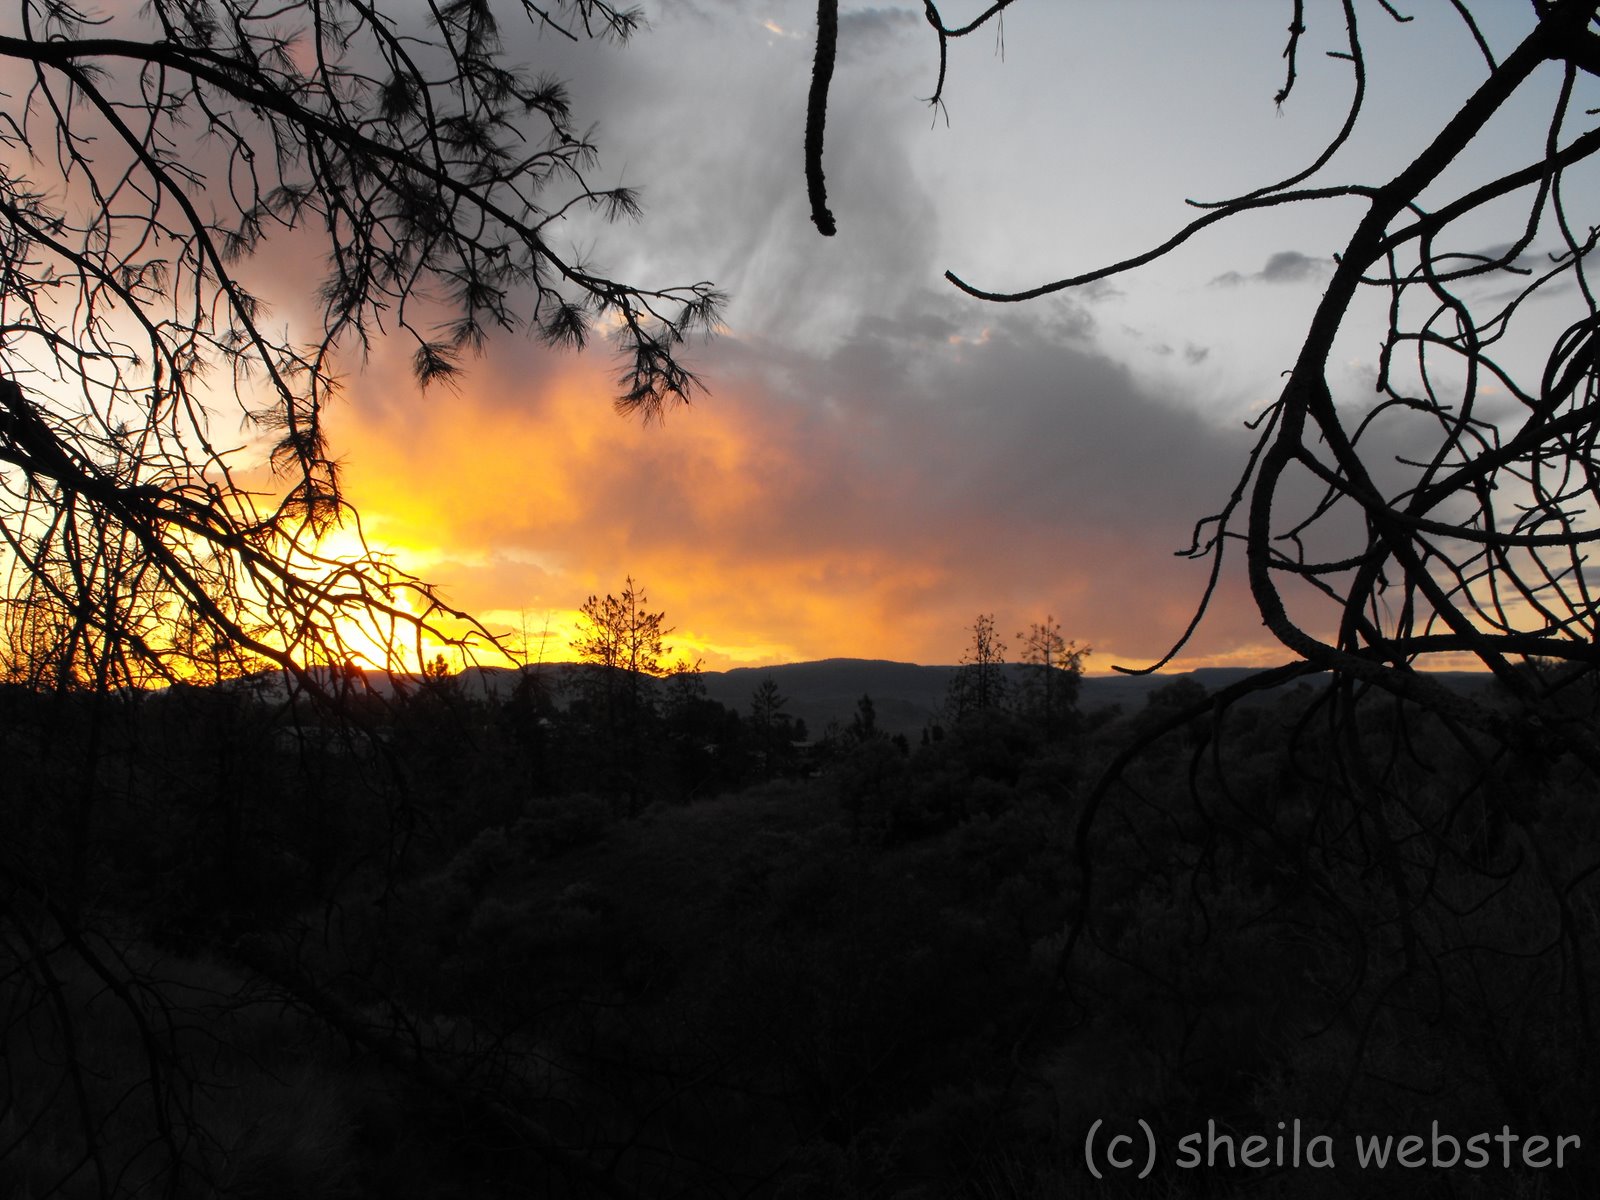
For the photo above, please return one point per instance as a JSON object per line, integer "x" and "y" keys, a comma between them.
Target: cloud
{"x": 879, "y": 458}
{"x": 1290, "y": 266}
{"x": 867, "y": 32}
{"x": 864, "y": 499}
{"x": 723, "y": 178}
{"x": 1526, "y": 258}
{"x": 1285, "y": 266}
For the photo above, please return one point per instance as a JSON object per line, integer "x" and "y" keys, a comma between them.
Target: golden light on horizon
{"x": 760, "y": 530}
{"x": 398, "y": 631}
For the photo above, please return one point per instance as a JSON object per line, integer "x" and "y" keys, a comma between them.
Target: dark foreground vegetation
{"x": 511, "y": 946}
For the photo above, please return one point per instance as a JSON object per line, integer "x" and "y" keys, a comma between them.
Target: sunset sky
{"x": 879, "y": 458}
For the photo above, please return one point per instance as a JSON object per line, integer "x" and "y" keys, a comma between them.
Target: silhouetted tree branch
{"x": 149, "y": 159}
{"x": 1482, "y": 549}
{"x": 409, "y": 180}
{"x": 1403, "y": 829}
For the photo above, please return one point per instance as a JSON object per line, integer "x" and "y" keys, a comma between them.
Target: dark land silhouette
{"x": 483, "y": 935}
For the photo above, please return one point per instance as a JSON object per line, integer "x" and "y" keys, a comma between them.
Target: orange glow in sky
{"x": 765, "y": 532}
{"x": 881, "y": 460}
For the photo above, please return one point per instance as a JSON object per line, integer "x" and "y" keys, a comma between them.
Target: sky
{"x": 877, "y": 458}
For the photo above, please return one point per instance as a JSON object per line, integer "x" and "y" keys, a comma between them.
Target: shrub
{"x": 553, "y": 825}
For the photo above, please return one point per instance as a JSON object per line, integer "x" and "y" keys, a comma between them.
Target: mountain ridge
{"x": 906, "y": 697}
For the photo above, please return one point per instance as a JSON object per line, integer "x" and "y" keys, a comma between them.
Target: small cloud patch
{"x": 1286, "y": 266}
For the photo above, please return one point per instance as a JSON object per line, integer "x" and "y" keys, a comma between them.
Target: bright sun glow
{"x": 399, "y": 633}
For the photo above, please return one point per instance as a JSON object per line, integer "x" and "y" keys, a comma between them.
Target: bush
{"x": 551, "y": 826}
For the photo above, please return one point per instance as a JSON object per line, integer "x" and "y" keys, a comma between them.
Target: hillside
{"x": 906, "y": 696}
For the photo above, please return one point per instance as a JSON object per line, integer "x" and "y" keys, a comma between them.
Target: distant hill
{"x": 906, "y": 697}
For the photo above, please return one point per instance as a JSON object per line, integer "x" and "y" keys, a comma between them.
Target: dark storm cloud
{"x": 1029, "y": 468}
{"x": 866, "y": 498}
{"x": 879, "y": 456}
